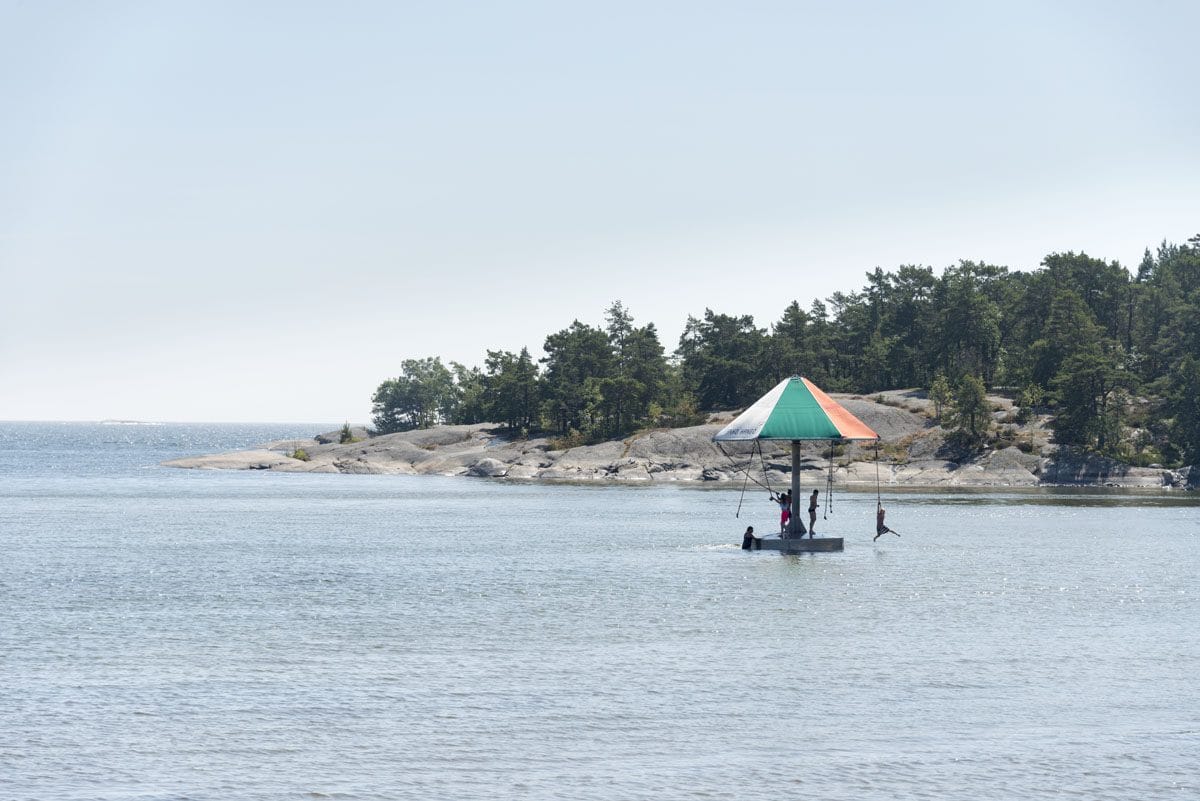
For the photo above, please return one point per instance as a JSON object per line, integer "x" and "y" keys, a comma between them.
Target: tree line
{"x": 593, "y": 383}
{"x": 1113, "y": 355}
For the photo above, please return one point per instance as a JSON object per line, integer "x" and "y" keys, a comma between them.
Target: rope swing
{"x": 746, "y": 470}
{"x": 829, "y": 484}
{"x": 742, "y": 497}
{"x": 798, "y": 412}
{"x": 878, "y": 497}
{"x": 880, "y": 527}
{"x": 762, "y": 460}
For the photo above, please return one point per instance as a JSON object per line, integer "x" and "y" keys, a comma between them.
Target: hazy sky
{"x": 252, "y": 211}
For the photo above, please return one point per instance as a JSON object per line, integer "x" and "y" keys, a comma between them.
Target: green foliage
{"x": 969, "y": 414}
{"x": 940, "y": 394}
{"x": 967, "y": 337}
{"x": 511, "y": 392}
{"x": 1069, "y": 329}
{"x": 1139, "y": 449}
{"x": 1079, "y": 332}
{"x": 1089, "y": 402}
{"x": 1006, "y": 437}
{"x": 572, "y": 439}
{"x": 346, "y": 436}
{"x": 596, "y": 382}
{"x": 422, "y": 396}
{"x": 639, "y": 379}
{"x": 725, "y": 360}
{"x": 1183, "y": 404}
{"x": 301, "y": 454}
{"x": 895, "y": 451}
{"x": 1102, "y": 286}
{"x": 472, "y": 386}
{"x": 1030, "y": 397}
{"x": 576, "y": 359}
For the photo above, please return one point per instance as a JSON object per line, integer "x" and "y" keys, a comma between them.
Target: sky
{"x": 256, "y": 211}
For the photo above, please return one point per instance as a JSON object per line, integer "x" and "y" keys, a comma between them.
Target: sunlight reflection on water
{"x": 240, "y": 636}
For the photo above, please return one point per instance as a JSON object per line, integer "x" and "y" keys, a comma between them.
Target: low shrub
{"x": 346, "y": 436}
{"x": 897, "y": 450}
{"x": 572, "y": 439}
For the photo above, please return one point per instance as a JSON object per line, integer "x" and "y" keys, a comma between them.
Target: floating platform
{"x": 800, "y": 544}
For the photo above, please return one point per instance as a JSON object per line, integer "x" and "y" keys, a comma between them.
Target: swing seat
{"x": 803, "y": 544}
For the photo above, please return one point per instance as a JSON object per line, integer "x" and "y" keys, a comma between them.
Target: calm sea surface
{"x": 172, "y": 634}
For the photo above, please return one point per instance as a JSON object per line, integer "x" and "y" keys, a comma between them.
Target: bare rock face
{"x": 236, "y": 460}
{"x": 488, "y": 468}
{"x": 925, "y": 472}
{"x": 1010, "y": 467}
{"x": 524, "y": 471}
{"x": 888, "y": 422}
{"x": 912, "y": 456}
{"x": 680, "y": 444}
{"x": 1072, "y": 467}
{"x": 335, "y": 437}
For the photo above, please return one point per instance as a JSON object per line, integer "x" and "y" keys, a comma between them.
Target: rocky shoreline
{"x": 913, "y": 454}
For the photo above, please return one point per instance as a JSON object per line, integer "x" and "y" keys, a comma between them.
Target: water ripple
{"x": 172, "y": 635}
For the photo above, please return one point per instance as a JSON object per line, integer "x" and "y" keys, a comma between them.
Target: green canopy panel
{"x": 795, "y": 409}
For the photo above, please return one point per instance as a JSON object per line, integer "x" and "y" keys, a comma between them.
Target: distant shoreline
{"x": 913, "y": 458}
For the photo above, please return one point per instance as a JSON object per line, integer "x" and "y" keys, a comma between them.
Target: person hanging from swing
{"x": 880, "y": 527}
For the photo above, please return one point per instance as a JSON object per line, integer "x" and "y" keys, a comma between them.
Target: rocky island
{"x": 913, "y": 453}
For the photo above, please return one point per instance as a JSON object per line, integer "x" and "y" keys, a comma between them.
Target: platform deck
{"x": 802, "y": 544}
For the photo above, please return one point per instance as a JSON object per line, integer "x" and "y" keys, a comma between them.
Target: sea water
{"x": 174, "y": 634}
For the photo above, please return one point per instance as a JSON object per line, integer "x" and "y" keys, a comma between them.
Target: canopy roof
{"x": 795, "y": 409}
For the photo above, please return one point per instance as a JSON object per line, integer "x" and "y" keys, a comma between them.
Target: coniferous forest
{"x": 1113, "y": 356}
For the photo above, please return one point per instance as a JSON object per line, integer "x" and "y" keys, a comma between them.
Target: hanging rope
{"x": 762, "y": 460}
{"x": 878, "y": 497}
{"x": 880, "y": 528}
{"x": 746, "y": 469}
{"x": 742, "y": 497}
{"x": 829, "y": 484}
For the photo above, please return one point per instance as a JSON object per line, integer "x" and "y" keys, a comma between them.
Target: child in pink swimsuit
{"x": 785, "y": 510}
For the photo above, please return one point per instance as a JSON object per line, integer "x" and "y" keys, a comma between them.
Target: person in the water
{"x": 750, "y": 541}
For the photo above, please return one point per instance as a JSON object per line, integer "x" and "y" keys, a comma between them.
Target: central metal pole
{"x": 795, "y": 526}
